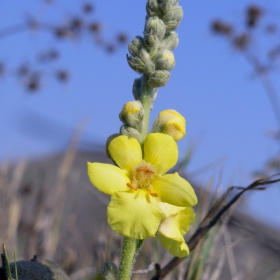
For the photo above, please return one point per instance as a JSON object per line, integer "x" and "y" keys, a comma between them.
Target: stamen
{"x": 134, "y": 187}
{"x": 152, "y": 194}
{"x": 143, "y": 175}
{"x": 145, "y": 169}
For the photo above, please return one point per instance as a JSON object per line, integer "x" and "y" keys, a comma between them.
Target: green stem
{"x": 130, "y": 248}
{"x": 146, "y": 100}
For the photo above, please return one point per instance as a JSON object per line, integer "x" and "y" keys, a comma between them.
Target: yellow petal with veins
{"x": 107, "y": 178}
{"x": 161, "y": 151}
{"x": 175, "y": 190}
{"x": 175, "y": 226}
{"x": 134, "y": 213}
{"x": 125, "y": 152}
{"x": 175, "y": 248}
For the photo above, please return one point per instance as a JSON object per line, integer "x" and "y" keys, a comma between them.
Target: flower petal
{"x": 175, "y": 248}
{"x": 170, "y": 230}
{"x": 135, "y": 214}
{"x": 188, "y": 217}
{"x": 107, "y": 178}
{"x": 125, "y": 152}
{"x": 175, "y": 190}
{"x": 175, "y": 226}
{"x": 160, "y": 150}
{"x": 169, "y": 209}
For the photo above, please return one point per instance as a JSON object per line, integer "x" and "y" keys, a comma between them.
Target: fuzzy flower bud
{"x": 172, "y": 123}
{"x": 136, "y": 45}
{"x": 173, "y": 17}
{"x": 132, "y": 113}
{"x": 165, "y": 60}
{"x": 136, "y": 63}
{"x": 159, "y": 78}
{"x": 149, "y": 68}
{"x": 166, "y": 5}
{"x": 153, "y": 9}
{"x": 154, "y": 31}
{"x": 109, "y": 271}
{"x": 131, "y": 132}
{"x": 170, "y": 41}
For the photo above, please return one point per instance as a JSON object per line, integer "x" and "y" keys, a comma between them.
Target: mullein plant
{"x": 146, "y": 201}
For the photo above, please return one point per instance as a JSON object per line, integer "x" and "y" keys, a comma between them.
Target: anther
{"x": 152, "y": 194}
{"x": 145, "y": 169}
{"x": 134, "y": 187}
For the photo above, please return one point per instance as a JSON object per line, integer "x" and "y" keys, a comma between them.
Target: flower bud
{"x": 131, "y": 132}
{"x": 154, "y": 31}
{"x": 136, "y": 89}
{"x": 159, "y": 78}
{"x": 136, "y": 45}
{"x": 109, "y": 271}
{"x": 172, "y": 18}
{"x": 170, "y": 41}
{"x": 149, "y": 68}
{"x": 153, "y": 9}
{"x": 166, "y": 5}
{"x": 172, "y": 123}
{"x": 135, "y": 63}
{"x": 132, "y": 113}
{"x": 165, "y": 60}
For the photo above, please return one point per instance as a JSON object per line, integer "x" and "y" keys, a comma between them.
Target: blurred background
{"x": 64, "y": 79}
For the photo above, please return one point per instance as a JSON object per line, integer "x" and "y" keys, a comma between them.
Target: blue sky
{"x": 227, "y": 111}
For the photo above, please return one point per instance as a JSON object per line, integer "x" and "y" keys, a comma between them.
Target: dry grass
{"x": 50, "y": 209}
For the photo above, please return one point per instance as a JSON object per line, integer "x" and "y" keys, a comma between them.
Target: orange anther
{"x": 132, "y": 186}
{"x": 152, "y": 194}
{"x": 145, "y": 169}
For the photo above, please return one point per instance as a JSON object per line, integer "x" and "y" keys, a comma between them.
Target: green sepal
{"x": 159, "y": 78}
{"x": 153, "y": 9}
{"x": 173, "y": 18}
{"x": 154, "y": 32}
{"x": 149, "y": 68}
{"x": 165, "y": 60}
{"x": 136, "y": 45}
{"x": 166, "y": 5}
{"x": 131, "y": 132}
{"x": 170, "y": 41}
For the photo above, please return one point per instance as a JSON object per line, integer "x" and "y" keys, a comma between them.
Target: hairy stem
{"x": 130, "y": 247}
{"x": 146, "y": 100}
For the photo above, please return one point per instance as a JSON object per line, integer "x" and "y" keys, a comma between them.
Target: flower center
{"x": 142, "y": 176}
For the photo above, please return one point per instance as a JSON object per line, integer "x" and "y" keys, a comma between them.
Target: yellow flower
{"x": 174, "y": 225}
{"x": 138, "y": 183}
